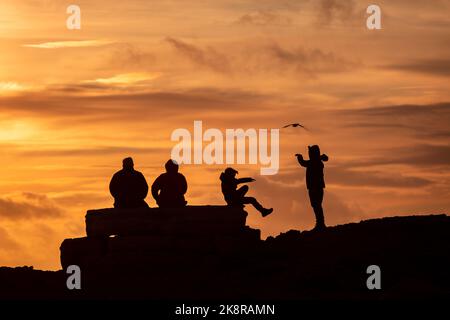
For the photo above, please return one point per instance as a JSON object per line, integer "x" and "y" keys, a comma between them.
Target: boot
{"x": 265, "y": 212}
{"x": 319, "y": 227}
{"x": 260, "y": 208}
{"x": 320, "y": 221}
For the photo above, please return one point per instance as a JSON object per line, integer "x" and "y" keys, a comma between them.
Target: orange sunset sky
{"x": 73, "y": 103}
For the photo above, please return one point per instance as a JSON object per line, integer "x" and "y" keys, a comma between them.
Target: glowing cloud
{"x": 11, "y": 87}
{"x": 69, "y": 44}
{"x": 127, "y": 78}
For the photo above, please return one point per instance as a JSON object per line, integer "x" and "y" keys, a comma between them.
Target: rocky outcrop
{"x": 26, "y": 283}
{"x": 158, "y": 244}
{"x": 157, "y": 254}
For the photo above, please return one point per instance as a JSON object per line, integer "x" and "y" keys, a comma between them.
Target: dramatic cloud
{"x": 28, "y": 206}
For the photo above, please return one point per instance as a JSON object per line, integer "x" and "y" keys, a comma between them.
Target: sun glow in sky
{"x": 73, "y": 103}
{"x": 16, "y": 130}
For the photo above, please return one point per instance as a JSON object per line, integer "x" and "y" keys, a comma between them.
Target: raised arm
{"x": 324, "y": 157}
{"x": 244, "y": 180}
{"x": 301, "y": 161}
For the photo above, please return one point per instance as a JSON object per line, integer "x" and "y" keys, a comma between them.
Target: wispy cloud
{"x": 330, "y": 10}
{"x": 264, "y": 57}
{"x": 110, "y": 106}
{"x": 69, "y": 44}
{"x": 208, "y": 57}
{"x": 437, "y": 67}
{"x": 127, "y": 78}
{"x": 92, "y": 152}
{"x": 264, "y": 18}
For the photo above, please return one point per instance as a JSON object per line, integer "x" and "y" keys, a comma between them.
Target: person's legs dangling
{"x": 257, "y": 205}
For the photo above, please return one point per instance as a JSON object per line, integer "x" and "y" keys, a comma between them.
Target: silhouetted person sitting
{"x": 128, "y": 187}
{"x": 236, "y": 197}
{"x": 315, "y": 181}
{"x": 169, "y": 188}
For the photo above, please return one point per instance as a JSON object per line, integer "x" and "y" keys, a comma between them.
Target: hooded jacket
{"x": 169, "y": 188}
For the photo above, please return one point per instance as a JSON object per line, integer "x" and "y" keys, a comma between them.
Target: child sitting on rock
{"x": 236, "y": 197}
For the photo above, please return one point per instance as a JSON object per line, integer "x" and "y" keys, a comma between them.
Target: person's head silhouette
{"x": 128, "y": 164}
{"x": 171, "y": 166}
{"x": 314, "y": 152}
{"x": 230, "y": 172}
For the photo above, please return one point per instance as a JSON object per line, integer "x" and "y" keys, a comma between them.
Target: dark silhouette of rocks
{"x": 25, "y": 283}
{"x": 208, "y": 252}
{"x": 143, "y": 235}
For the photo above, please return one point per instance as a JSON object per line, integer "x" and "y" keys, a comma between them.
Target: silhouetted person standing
{"x": 169, "y": 188}
{"x": 236, "y": 197}
{"x": 315, "y": 181}
{"x": 128, "y": 187}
